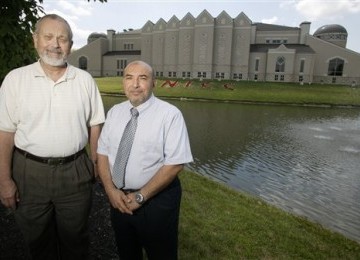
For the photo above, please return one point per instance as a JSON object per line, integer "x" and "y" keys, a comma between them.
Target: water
{"x": 303, "y": 160}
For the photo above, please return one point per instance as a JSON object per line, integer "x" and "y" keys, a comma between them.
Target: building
{"x": 225, "y": 48}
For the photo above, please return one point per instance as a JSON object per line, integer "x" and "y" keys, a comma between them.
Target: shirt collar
{"x": 70, "y": 72}
{"x": 141, "y": 108}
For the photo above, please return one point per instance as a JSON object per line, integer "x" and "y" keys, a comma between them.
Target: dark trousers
{"x": 154, "y": 227}
{"x": 54, "y": 206}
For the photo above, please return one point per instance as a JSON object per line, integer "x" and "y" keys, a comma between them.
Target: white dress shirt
{"x": 161, "y": 139}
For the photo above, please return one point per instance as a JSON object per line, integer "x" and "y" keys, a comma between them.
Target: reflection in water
{"x": 304, "y": 160}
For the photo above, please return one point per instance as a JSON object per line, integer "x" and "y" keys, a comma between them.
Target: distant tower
{"x": 333, "y": 33}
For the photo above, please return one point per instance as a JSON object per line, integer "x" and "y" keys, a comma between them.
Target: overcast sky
{"x": 88, "y": 17}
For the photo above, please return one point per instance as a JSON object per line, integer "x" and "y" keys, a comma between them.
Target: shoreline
{"x": 246, "y": 102}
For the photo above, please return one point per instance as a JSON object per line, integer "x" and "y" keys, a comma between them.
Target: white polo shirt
{"x": 50, "y": 119}
{"x": 161, "y": 138}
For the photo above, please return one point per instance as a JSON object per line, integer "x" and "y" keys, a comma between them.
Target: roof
{"x": 115, "y": 53}
{"x": 330, "y": 28}
{"x": 300, "y": 48}
{"x": 273, "y": 27}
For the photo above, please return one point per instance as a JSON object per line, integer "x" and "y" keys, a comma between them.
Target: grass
{"x": 248, "y": 91}
{"x": 217, "y": 222}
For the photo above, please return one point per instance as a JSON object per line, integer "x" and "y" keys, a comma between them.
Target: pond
{"x": 305, "y": 160}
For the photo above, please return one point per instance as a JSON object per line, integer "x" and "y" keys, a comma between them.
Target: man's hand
{"x": 131, "y": 202}
{"x": 9, "y": 195}
{"x": 119, "y": 200}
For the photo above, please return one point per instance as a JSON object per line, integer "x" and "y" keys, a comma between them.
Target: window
{"x": 301, "y": 78}
{"x": 280, "y": 64}
{"x": 83, "y": 63}
{"x": 159, "y": 74}
{"x": 121, "y": 64}
{"x": 302, "y": 64}
{"x": 237, "y": 76}
{"x": 257, "y": 61}
{"x": 128, "y": 46}
{"x": 282, "y": 77}
{"x": 336, "y": 67}
{"x": 256, "y": 77}
{"x": 219, "y": 75}
{"x": 201, "y": 74}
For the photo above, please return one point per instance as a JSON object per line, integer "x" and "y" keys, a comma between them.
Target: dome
{"x": 330, "y": 28}
{"x": 94, "y": 36}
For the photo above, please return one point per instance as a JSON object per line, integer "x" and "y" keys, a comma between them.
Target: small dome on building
{"x": 330, "y": 28}
{"x": 333, "y": 33}
{"x": 94, "y": 36}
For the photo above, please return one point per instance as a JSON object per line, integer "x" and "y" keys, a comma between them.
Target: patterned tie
{"x": 124, "y": 150}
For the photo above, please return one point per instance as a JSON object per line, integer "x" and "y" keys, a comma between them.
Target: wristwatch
{"x": 139, "y": 198}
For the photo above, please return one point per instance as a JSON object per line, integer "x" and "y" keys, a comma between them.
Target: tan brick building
{"x": 225, "y": 48}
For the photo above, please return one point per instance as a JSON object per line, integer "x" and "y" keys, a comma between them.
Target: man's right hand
{"x": 9, "y": 195}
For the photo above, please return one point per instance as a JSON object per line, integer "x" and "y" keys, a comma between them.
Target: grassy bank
{"x": 247, "y": 91}
{"x": 219, "y": 223}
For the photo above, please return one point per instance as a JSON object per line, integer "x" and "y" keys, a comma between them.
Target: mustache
{"x": 55, "y": 50}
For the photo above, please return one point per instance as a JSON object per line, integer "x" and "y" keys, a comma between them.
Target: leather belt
{"x": 51, "y": 160}
{"x": 127, "y": 191}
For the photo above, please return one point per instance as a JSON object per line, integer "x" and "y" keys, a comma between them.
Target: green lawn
{"x": 217, "y": 222}
{"x": 248, "y": 91}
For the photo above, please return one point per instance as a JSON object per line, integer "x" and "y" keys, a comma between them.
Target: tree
{"x": 18, "y": 18}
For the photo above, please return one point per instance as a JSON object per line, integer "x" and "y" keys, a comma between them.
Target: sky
{"x": 87, "y": 17}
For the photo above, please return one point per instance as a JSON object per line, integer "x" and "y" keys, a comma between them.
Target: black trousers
{"x": 54, "y": 206}
{"x": 153, "y": 227}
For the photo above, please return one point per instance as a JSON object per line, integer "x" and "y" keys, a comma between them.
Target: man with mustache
{"x": 49, "y": 111}
{"x": 145, "y": 197}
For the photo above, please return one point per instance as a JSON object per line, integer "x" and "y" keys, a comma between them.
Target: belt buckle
{"x": 55, "y": 161}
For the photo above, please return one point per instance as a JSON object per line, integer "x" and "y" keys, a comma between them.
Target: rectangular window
{"x": 123, "y": 64}
{"x": 282, "y": 77}
{"x": 169, "y": 74}
{"x": 276, "y": 77}
{"x": 301, "y": 78}
{"x": 302, "y": 65}
{"x": 188, "y": 74}
{"x": 255, "y": 76}
{"x": 240, "y": 76}
{"x": 183, "y": 74}
{"x": 257, "y": 61}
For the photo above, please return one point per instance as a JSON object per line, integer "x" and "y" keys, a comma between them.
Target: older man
{"x": 48, "y": 112}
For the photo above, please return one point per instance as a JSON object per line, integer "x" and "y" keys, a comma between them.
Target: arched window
{"x": 336, "y": 67}
{"x": 280, "y": 64}
{"x": 83, "y": 63}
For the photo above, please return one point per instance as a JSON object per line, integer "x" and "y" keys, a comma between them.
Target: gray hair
{"x": 53, "y": 17}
